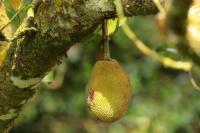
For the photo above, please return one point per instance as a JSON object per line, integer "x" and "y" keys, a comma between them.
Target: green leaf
{"x": 49, "y": 77}
{"x": 112, "y": 25}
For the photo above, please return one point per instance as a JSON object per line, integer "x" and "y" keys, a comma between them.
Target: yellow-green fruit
{"x": 193, "y": 27}
{"x": 109, "y": 91}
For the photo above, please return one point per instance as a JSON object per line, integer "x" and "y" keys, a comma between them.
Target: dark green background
{"x": 163, "y": 100}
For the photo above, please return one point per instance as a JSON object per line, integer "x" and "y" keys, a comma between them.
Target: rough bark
{"x": 42, "y": 40}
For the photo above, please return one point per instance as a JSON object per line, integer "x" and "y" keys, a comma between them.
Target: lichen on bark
{"x": 42, "y": 40}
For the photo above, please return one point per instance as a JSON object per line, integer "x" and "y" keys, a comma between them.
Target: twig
{"x": 106, "y": 40}
{"x": 193, "y": 81}
{"x": 159, "y": 6}
{"x": 166, "y": 61}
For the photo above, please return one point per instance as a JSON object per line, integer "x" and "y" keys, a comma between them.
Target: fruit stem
{"x": 106, "y": 40}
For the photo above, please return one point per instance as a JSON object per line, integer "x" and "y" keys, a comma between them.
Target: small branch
{"x": 34, "y": 52}
{"x": 106, "y": 40}
{"x": 166, "y": 61}
{"x": 193, "y": 81}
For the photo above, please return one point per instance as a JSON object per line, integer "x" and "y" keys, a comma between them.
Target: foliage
{"x": 163, "y": 101}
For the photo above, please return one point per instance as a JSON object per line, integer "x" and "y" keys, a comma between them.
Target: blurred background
{"x": 163, "y": 100}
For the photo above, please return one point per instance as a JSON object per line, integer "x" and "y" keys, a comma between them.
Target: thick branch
{"x": 42, "y": 40}
{"x": 139, "y": 7}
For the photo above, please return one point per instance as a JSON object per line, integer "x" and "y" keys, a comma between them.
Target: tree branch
{"x": 41, "y": 41}
{"x": 139, "y": 7}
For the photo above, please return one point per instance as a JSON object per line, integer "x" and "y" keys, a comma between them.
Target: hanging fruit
{"x": 109, "y": 89}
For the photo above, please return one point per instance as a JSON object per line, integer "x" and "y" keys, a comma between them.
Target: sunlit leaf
{"x": 49, "y": 77}
{"x": 16, "y": 4}
{"x": 112, "y": 25}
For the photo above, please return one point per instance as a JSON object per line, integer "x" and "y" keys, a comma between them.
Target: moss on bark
{"x": 58, "y": 24}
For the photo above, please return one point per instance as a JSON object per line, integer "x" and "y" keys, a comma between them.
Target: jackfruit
{"x": 109, "y": 91}
{"x": 193, "y": 27}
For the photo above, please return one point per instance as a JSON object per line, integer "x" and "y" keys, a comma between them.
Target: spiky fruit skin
{"x": 109, "y": 91}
